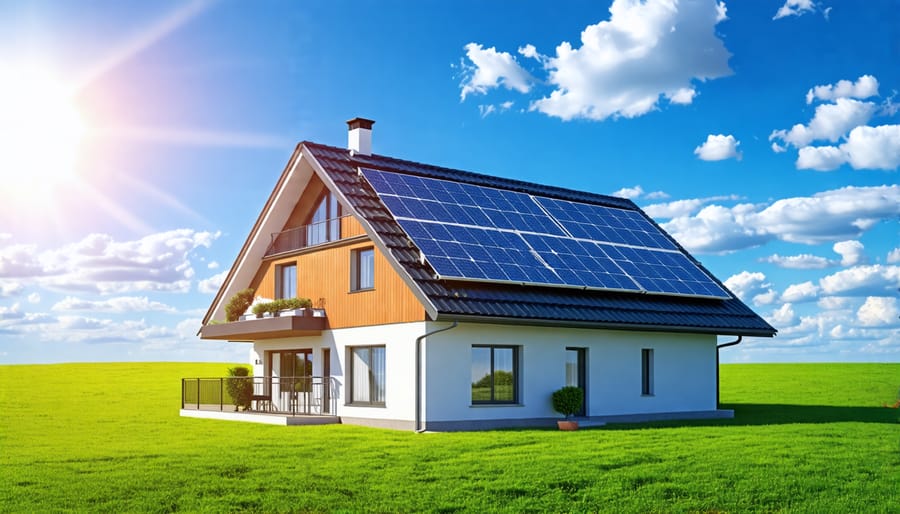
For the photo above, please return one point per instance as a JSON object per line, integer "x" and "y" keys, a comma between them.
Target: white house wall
{"x": 684, "y": 373}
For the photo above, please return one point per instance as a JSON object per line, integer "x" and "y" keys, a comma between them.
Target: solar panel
{"x": 470, "y": 232}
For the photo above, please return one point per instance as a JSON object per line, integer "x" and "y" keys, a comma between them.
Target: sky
{"x": 140, "y": 140}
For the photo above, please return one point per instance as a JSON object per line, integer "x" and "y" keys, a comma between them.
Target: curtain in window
{"x": 366, "y": 269}
{"x": 361, "y": 375}
{"x": 378, "y": 377}
{"x": 368, "y": 375}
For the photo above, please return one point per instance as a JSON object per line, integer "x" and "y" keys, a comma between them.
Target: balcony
{"x": 314, "y": 234}
{"x": 275, "y": 400}
{"x": 294, "y": 323}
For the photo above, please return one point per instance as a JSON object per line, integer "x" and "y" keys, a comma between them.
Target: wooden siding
{"x": 323, "y": 276}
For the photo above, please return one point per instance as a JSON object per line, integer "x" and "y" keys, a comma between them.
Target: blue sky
{"x": 763, "y": 135}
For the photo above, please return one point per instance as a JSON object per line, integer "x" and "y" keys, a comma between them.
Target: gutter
{"x": 419, "y": 339}
{"x": 719, "y": 347}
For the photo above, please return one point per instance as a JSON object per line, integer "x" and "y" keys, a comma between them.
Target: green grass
{"x": 107, "y": 438}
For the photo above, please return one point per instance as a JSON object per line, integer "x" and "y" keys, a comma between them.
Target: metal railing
{"x": 309, "y": 395}
{"x": 306, "y": 236}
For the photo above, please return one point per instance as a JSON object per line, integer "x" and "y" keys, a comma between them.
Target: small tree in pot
{"x": 567, "y": 401}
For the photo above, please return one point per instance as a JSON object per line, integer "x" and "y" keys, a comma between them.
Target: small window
{"x": 647, "y": 372}
{"x": 367, "y": 377}
{"x": 286, "y": 281}
{"x": 362, "y": 269}
{"x": 495, "y": 374}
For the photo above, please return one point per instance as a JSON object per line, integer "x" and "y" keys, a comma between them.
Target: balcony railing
{"x": 308, "y": 395}
{"x": 307, "y": 236}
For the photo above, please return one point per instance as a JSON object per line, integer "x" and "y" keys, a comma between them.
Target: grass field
{"x": 107, "y": 438}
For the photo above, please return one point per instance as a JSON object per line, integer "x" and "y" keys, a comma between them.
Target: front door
{"x": 575, "y": 374}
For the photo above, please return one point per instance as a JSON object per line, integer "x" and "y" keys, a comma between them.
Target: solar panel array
{"x": 470, "y": 232}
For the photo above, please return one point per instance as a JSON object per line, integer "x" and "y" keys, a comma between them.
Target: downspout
{"x": 419, "y": 339}
{"x": 719, "y": 347}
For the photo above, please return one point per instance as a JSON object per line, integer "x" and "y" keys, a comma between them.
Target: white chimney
{"x": 359, "y": 139}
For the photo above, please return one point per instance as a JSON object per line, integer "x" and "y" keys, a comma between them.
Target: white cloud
{"x": 802, "y": 292}
{"x": 12, "y": 312}
{"x": 747, "y": 284}
{"x": 118, "y": 304}
{"x": 718, "y": 148}
{"x": 529, "y": 52}
{"x": 873, "y": 147}
{"x": 8, "y": 289}
{"x": 830, "y": 122}
{"x": 678, "y": 208}
{"x": 893, "y": 256}
{"x": 657, "y": 195}
{"x": 213, "y": 265}
{"x": 485, "y": 110}
{"x": 831, "y": 303}
{"x": 851, "y": 252}
{"x": 802, "y": 261}
{"x": 767, "y": 298}
{"x": 629, "y": 192}
{"x": 864, "y": 87}
{"x": 795, "y": 8}
{"x": 646, "y": 50}
{"x": 100, "y": 264}
{"x": 824, "y": 217}
{"x": 34, "y": 298}
{"x": 212, "y": 284}
{"x": 820, "y": 158}
{"x": 875, "y": 280}
{"x": 491, "y": 69}
{"x": 879, "y": 311}
{"x": 783, "y": 316}
{"x": 19, "y": 261}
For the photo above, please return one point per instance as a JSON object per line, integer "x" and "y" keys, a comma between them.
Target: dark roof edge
{"x": 387, "y": 163}
{"x": 605, "y": 325}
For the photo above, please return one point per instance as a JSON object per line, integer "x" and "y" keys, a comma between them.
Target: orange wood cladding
{"x": 323, "y": 276}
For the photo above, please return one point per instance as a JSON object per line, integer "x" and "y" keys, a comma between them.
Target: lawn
{"x": 108, "y": 438}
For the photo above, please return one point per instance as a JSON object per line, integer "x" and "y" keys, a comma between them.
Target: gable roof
{"x": 495, "y": 302}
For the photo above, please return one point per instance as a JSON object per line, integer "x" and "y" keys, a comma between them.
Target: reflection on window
{"x": 363, "y": 269}
{"x": 494, "y": 374}
{"x": 325, "y": 224}
{"x": 367, "y": 376}
{"x": 286, "y": 281}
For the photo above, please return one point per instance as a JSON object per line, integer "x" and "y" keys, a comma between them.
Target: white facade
{"x": 682, "y": 373}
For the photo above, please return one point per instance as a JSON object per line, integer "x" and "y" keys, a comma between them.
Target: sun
{"x": 40, "y": 132}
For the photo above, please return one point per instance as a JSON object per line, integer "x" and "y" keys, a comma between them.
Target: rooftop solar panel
{"x": 470, "y": 232}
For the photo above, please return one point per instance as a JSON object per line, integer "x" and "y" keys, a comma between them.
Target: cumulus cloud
{"x": 748, "y": 285}
{"x": 212, "y": 284}
{"x": 851, "y": 252}
{"x": 865, "y": 86}
{"x": 19, "y": 261}
{"x": 833, "y": 215}
{"x": 629, "y": 192}
{"x": 118, "y": 304}
{"x": 879, "y": 311}
{"x": 893, "y": 256}
{"x": 783, "y": 316}
{"x": 802, "y": 292}
{"x": 873, "y": 147}
{"x": 830, "y": 122}
{"x": 645, "y": 53}
{"x": 718, "y": 148}
{"x": 8, "y": 288}
{"x": 34, "y": 298}
{"x": 802, "y": 261}
{"x": 100, "y": 264}
{"x": 875, "y": 280}
{"x": 685, "y": 207}
{"x": 795, "y": 8}
{"x": 491, "y": 69}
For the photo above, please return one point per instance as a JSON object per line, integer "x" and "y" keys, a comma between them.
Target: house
{"x": 450, "y": 300}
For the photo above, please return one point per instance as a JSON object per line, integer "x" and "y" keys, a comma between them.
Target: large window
{"x": 286, "y": 281}
{"x": 362, "y": 269}
{"x": 495, "y": 374}
{"x": 647, "y": 371}
{"x": 367, "y": 376}
{"x": 325, "y": 224}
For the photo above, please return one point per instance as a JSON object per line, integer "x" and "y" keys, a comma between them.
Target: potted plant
{"x": 567, "y": 401}
{"x": 240, "y": 387}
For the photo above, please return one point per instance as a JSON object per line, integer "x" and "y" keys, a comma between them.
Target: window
{"x": 362, "y": 269}
{"x": 325, "y": 224}
{"x": 494, "y": 374}
{"x": 367, "y": 375}
{"x": 647, "y": 372}
{"x": 286, "y": 281}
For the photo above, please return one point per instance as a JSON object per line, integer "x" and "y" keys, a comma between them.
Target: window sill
{"x": 375, "y": 405}
{"x": 366, "y": 290}
{"x": 483, "y": 405}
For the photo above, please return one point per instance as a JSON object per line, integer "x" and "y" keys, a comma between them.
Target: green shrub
{"x": 240, "y": 388}
{"x": 238, "y": 304}
{"x": 567, "y": 400}
{"x": 282, "y": 304}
